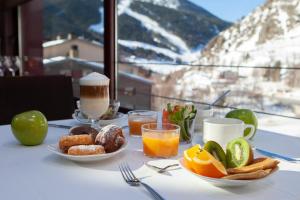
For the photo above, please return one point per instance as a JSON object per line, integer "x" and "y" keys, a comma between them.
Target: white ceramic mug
{"x": 223, "y": 130}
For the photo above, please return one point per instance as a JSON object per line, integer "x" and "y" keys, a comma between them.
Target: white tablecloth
{"x": 35, "y": 173}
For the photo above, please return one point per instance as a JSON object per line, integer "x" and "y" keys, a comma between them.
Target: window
{"x": 195, "y": 50}
{"x": 185, "y": 50}
{"x": 73, "y": 38}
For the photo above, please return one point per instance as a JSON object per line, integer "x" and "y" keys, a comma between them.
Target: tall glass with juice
{"x": 160, "y": 140}
{"x": 137, "y": 118}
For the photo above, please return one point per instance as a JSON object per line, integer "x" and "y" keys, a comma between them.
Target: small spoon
{"x": 219, "y": 98}
{"x": 162, "y": 169}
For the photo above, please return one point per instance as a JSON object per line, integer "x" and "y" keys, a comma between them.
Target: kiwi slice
{"x": 216, "y": 151}
{"x": 238, "y": 153}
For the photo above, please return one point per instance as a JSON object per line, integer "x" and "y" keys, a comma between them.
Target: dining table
{"x": 35, "y": 173}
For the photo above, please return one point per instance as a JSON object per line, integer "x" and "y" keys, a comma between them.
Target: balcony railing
{"x": 237, "y": 98}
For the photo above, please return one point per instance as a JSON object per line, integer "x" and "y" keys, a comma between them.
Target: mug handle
{"x": 252, "y": 131}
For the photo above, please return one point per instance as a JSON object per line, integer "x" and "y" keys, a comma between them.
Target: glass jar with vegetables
{"x": 183, "y": 116}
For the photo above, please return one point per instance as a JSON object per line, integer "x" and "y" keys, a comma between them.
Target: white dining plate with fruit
{"x": 236, "y": 166}
{"x": 217, "y": 181}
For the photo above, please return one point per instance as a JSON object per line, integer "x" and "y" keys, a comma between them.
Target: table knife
{"x": 275, "y": 155}
{"x": 59, "y": 126}
{"x": 69, "y": 127}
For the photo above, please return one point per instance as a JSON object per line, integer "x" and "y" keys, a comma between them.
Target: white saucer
{"x": 77, "y": 115}
{"x": 89, "y": 158}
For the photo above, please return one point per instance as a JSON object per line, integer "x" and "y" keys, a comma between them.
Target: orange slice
{"x": 189, "y": 154}
{"x": 206, "y": 165}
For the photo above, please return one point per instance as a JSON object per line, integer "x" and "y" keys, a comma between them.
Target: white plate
{"x": 88, "y": 158}
{"x": 83, "y": 120}
{"x": 222, "y": 182}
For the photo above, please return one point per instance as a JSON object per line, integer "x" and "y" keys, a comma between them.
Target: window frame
{"x": 110, "y": 45}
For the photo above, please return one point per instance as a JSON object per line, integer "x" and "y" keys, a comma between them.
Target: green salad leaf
{"x": 183, "y": 116}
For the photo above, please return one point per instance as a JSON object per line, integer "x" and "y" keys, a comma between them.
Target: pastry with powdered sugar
{"x": 111, "y": 137}
{"x": 86, "y": 150}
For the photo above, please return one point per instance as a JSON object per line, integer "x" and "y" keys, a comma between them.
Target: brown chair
{"x": 52, "y": 95}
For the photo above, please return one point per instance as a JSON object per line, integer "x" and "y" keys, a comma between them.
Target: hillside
{"x": 62, "y": 17}
{"x": 156, "y": 30}
{"x": 269, "y": 36}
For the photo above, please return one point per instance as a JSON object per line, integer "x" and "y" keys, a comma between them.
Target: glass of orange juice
{"x": 160, "y": 140}
{"x": 137, "y": 118}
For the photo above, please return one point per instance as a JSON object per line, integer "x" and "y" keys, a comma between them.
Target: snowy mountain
{"x": 173, "y": 29}
{"x": 269, "y": 36}
{"x": 263, "y": 44}
{"x": 152, "y": 30}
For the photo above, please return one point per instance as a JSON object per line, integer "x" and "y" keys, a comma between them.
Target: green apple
{"x": 247, "y": 116}
{"x": 30, "y": 128}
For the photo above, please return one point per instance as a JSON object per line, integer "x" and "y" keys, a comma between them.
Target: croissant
{"x": 68, "y": 141}
{"x": 111, "y": 138}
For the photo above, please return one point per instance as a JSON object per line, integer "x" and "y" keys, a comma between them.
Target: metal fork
{"x": 132, "y": 180}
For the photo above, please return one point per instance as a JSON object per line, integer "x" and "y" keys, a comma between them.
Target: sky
{"x": 230, "y": 10}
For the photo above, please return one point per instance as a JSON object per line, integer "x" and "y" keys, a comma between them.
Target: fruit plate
{"x": 87, "y": 158}
{"x": 77, "y": 115}
{"x": 219, "y": 182}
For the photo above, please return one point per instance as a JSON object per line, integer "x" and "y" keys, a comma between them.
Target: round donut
{"x": 83, "y": 130}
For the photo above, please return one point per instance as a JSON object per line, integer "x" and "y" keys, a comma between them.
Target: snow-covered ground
{"x": 123, "y": 6}
{"x": 173, "y": 4}
{"x": 185, "y": 53}
{"x": 100, "y": 26}
{"x": 135, "y": 45}
{"x": 159, "y": 67}
{"x": 53, "y": 42}
{"x": 154, "y": 26}
{"x": 54, "y": 59}
{"x": 281, "y": 125}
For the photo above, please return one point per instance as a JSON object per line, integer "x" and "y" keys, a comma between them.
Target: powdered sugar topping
{"x": 88, "y": 147}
